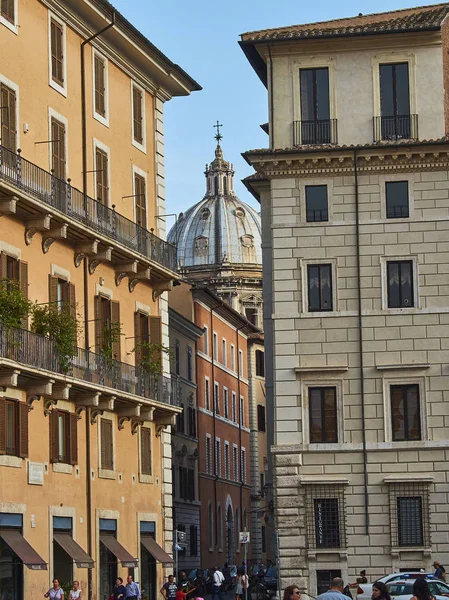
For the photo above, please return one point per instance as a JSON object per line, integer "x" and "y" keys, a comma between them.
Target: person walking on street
{"x": 75, "y": 592}
{"x": 335, "y": 592}
{"x": 421, "y": 590}
{"x": 292, "y": 592}
{"x": 217, "y": 588}
{"x": 440, "y": 572}
{"x": 132, "y": 590}
{"x": 119, "y": 589}
{"x": 169, "y": 589}
{"x": 56, "y": 592}
{"x": 380, "y": 591}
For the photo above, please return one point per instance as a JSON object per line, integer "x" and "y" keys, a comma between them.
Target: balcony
{"x": 395, "y": 128}
{"x": 86, "y": 215}
{"x": 31, "y": 359}
{"x": 322, "y": 131}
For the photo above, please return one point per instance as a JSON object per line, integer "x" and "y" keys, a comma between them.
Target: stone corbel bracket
{"x": 127, "y": 413}
{"x": 143, "y": 275}
{"x": 34, "y": 225}
{"x": 57, "y": 233}
{"x": 101, "y": 257}
{"x": 147, "y": 412}
{"x": 164, "y": 422}
{"x": 135, "y": 424}
{"x": 8, "y": 205}
{"x": 125, "y": 269}
{"x": 8, "y": 378}
{"x": 35, "y": 392}
{"x": 88, "y": 249}
{"x": 160, "y": 288}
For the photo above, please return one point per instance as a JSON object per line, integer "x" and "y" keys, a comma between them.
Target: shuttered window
{"x": 58, "y": 158}
{"x": 137, "y": 115}
{"x": 107, "y": 326}
{"x": 63, "y": 437}
{"x": 15, "y": 270}
{"x": 107, "y": 452}
{"x": 8, "y": 117}
{"x": 155, "y": 338}
{"x": 7, "y": 10}
{"x": 101, "y": 176}
{"x": 57, "y": 57}
{"x": 141, "y": 201}
{"x": 13, "y": 428}
{"x": 145, "y": 451}
{"x": 141, "y": 336}
{"x": 100, "y": 85}
{"x": 61, "y": 293}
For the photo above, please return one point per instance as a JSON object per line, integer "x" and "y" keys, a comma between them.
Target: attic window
{"x": 205, "y": 214}
{"x": 239, "y": 212}
{"x": 247, "y": 241}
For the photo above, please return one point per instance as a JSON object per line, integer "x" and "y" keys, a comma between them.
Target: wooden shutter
{"x": 23, "y": 279}
{"x": 57, "y": 64}
{"x": 137, "y": 111}
{"x": 52, "y": 289}
{"x": 73, "y": 439}
{"x": 98, "y": 324}
{"x": 54, "y": 430}
{"x": 145, "y": 450}
{"x": 137, "y": 338}
{"x": 107, "y": 457}
{"x": 3, "y": 266}
{"x": 8, "y": 10}
{"x": 2, "y": 425}
{"x": 8, "y": 117}
{"x": 101, "y": 176}
{"x": 72, "y": 299}
{"x": 141, "y": 201}
{"x": 115, "y": 320}
{"x": 156, "y": 338}
{"x": 100, "y": 105}
{"x": 58, "y": 148}
{"x": 22, "y": 409}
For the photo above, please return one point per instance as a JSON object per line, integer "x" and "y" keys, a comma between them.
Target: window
{"x": 107, "y": 326}
{"x": 141, "y": 201}
{"x": 323, "y": 415}
{"x": 240, "y": 362}
{"x": 57, "y": 51}
{"x": 63, "y": 437}
{"x": 405, "y": 412}
{"x": 208, "y": 455}
{"x": 205, "y": 340}
{"x": 397, "y": 203}
{"x": 225, "y": 403}
{"x": 232, "y": 357}
{"x": 138, "y": 123}
{"x": 106, "y": 445}
{"x": 101, "y": 176}
{"x": 234, "y": 407}
{"x": 215, "y": 348}
{"x": 177, "y": 357}
{"x": 260, "y": 363}
{"x": 223, "y": 349}
{"x": 189, "y": 364}
{"x": 409, "y": 514}
{"x": 315, "y": 106}
{"x": 193, "y": 540}
{"x": 395, "y": 101}
{"x": 61, "y": 293}
{"x": 141, "y": 336}
{"x": 242, "y": 411}
{"x": 252, "y": 314}
{"x": 187, "y": 483}
{"x": 262, "y": 484}
{"x": 235, "y": 459}
{"x": 100, "y": 85}
{"x": 8, "y": 117}
{"x": 218, "y": 457}
{"x": 264, "y": 538}
{"x": 316, "y": 203}
{"x": 7, "y": 10}
{"x": 217, "y": 398}
{"x": 58, "y": 158}
{"x": 211, "y": 526}
{"x": 207, "y": 394}
{"x": 319, "y": 285}
{"x": 325, "y": 513}
{"x": 243, "y": 464}
{"x": 180, "y": 420}
{"x": 145, "y": 451}
{"x": 261, "y": 417}
{"x": 400, "y": 284}
{"x": 227, "y": 459}
{"x": 220, "y": 527}
{"x": 192, "y": 421}
{"x": 13, "y": 428}
{"x": 16, "y": 272}
{"x": 324, "y": 579}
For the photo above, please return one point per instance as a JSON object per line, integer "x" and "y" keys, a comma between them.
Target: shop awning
{"x": 118, "y": 551}
{"x": 67, "y": 543}
{"x": 22, "y": 548}
{"x": 156, "y": 551}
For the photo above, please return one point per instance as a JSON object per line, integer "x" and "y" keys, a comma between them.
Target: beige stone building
{"x": 85, "y": 452}
{"x": 354, "y": 190}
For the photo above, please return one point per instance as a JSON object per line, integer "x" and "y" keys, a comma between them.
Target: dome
{"x": 220, "y": 228}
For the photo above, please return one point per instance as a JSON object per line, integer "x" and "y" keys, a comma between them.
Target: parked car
{"x": 365, "y": 590}
{"x": 403, "y": 589}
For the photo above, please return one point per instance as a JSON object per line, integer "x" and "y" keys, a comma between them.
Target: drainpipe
{"x": 86, "y": 302}
{"x": 360, "y": 327}
{"x": 271, "y": 127}
{"x": 214, "y": 420}
{"x": 240, "y": 420}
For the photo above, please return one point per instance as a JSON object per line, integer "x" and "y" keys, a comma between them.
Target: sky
{"x": 202, "y": 37}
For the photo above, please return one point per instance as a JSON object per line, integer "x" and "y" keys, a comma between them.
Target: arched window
{"x": 225, "y": 185}
{"x": 220, "y": 528}
{"x": 216, "y": 182}
{"x": 211, "y": 527}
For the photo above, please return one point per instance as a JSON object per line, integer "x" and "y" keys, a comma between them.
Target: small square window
{"x": 319, "y": 282}
{"x": 400, "y": 284}
{"x": 405, "y": 413}
{"x": 316, "y": 203}
{"x": 397, "y": 200}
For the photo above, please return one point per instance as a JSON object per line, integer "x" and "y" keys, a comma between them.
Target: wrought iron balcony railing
{"x": 320, "y": 131}
{"x": 33, "y": 350}
{"x": 404, "y": 127}
{"x": 93, "y": 214}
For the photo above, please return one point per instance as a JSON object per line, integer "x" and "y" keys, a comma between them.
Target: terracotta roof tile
{"x": 420, "y": 18}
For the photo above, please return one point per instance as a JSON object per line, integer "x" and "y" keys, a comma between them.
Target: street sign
{"x": 244, "y": 537}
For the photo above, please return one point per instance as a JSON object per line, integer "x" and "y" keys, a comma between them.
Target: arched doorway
{"x": 229, "y": 536}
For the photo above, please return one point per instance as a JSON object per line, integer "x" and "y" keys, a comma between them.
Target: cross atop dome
{"x": 218, "y": 135}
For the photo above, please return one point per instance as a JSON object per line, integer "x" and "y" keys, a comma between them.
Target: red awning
{"x": 118, "y": 551}
{"x": 67, "y": 543}
{"x": 22, "y": 548}
{"x": 156, "y": 551}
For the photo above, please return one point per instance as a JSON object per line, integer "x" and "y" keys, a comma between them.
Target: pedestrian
{"x": 132, "y": 590}
{"x": 170, "y": 589}
{"x": 292, "y": 592}
{"x": 227, "y": 577}
{"x": 119, "y": 589}
{"x": 440, "y": 571}
{"x": 56, "y": 592}
{"x": 217, "y": 588}
{"x": 421, "y": 590}
{"x": 75, "y": 592}
{"x": 335, "y": 592}
{"x": 181, "y": 594}
{"x": 380, "y": 591}
{"x": 242, "y": 585}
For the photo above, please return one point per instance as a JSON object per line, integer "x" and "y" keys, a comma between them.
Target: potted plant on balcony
{"x": 14, "y": 311}
{"x": 149, "y": 359}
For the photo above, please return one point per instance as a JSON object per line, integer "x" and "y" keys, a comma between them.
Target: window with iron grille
{"x": 323, "y": 415}
{"x": 400, "y": 284}
{"x": 396, "y": 195}
{"x": 325, "y": 514}
{"x": 409, "y": 514}
{"x": 316, "y": 203}
{"x": 319, "y": 285}
{"x": 405, "y": 412}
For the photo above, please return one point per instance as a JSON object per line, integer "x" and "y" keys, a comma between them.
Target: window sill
{"x": 106, "y": 474}
{"x": 146, "y": 478}
{"x": 6, "y": 460}
{"x": 103, "y": 120}
{"x": 314, "y": 552}
{"x": 11, "y": 26}
{"x": 58, "y": 88}
{"x": 142, "y": 147}
{"x": 62, "y": 468}
{"x": 395, "y": 551}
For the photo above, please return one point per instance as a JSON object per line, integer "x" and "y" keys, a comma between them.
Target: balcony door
{"x": 315, "y": 106}
{"x": 395, "y": 101}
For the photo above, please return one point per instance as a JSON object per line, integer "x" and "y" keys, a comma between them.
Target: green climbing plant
{"x": 60, "y": 324}
{"x": 14, "y": 307}
{"x": 111, "y": 335}
{"x": 150, "y": 356}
